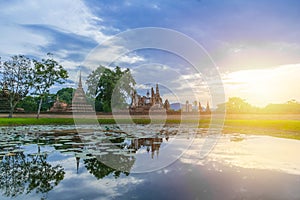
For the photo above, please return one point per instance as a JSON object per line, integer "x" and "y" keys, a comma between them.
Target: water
{"x": 60, "y": 162}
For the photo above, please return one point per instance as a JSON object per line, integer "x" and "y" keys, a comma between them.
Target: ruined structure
{"x": 187, "y": 107}
{"x": 151, "y": 144}
{"x": 142, "y": 104}
{"x": 79, "y": 101}
{"x": 59, "y": 106}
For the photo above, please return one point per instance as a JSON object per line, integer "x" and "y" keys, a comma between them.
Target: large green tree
{"x": 110, "y": 88}
{"x": 66, "y": 95}
{"x": 16, "y": 79}
{"x": 29, "y": 104}
{"x": 47, "y": 72}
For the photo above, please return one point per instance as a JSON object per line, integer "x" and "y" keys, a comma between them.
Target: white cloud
{"x": 111, "y": 53}
{"x": 15, "y": 40}
{"x": 66, "y": 16}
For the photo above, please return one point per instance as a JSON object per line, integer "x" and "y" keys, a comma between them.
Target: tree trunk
{"x": 39, "y": 109}
{"x": 12, "y": 107}
{"x": 10, "y": 114}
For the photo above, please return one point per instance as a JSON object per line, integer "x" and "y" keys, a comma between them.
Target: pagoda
{"x": 59, "y": 106}
{"x": 79, "y": 101}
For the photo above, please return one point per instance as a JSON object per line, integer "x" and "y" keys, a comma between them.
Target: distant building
{"x": 152, "y": 145}
{"x": 145, "y": 103}
{"x": 59, "y": 106}
{"x": 79, "y": 101}
{"x": 203, "y": 110}
{"x": 187, "y": 107}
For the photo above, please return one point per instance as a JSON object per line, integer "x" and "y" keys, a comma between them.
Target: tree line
{"x": 106, "y": 88}
{"x": 26, "y": 83}
{"x": 237, "y": 105}
{"x": 19, "y": 75}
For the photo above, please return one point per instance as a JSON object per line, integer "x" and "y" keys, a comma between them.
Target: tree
{"x": 291, "y": 107}
{"x": 46, "y": 73}
{"x": 16, "y": 79}
{"x": 110, "y": 88}
{"x": 22, "y": 173}
{"x": 66, "y": 95}
{"x": 28, "y": 103}
{"x": 237, "y": 105}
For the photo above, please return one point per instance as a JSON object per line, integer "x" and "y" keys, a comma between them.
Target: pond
{"x": 88, "y": 162}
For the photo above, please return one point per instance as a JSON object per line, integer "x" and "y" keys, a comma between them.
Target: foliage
{"x": 110, "y": 88}
{"x": 30, "y": 103}
{"x": 237, "y": 105}
{"x": 24, "y": 173}
{"x": 100, "y": 170}
{"x": 46, "y": 73}
{"x": 65, "y": 95}
{"x": 16, "y": 79}
{"x": 291, "y": 107}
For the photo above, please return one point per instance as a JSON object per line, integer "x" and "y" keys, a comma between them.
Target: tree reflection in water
{"x": 22, "y": 173}
{"x": 100, "y": 170}
{"x": 103, "y": 154}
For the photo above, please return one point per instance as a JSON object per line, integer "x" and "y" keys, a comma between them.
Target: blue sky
{"x": 255, "y": 44}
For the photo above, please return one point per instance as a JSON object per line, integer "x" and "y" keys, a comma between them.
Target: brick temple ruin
{"x": 79, "y": 102}
{"x": 142, "y": 104}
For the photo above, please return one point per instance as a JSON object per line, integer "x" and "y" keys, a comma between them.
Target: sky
{"x": 249, "y": 49}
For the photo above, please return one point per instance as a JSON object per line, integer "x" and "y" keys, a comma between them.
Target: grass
{"x": 34, "y": 121}
{"x": 277, "y": 128}
{"x": 70, "y": 121}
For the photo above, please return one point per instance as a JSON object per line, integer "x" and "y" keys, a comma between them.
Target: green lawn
{"x": 277, "y": 128}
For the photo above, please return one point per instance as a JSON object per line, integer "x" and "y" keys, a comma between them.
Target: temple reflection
{"x": 152, "y": 145}
{"x": 100, "y": 153}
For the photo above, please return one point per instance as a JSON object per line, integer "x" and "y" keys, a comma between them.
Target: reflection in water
{"x": 100, "y": 170}
{"x": 58, "y": 163}
{"x": 152, "y": 145}
{"x": 22, "y": 173}
{"x": 259, "y": 152}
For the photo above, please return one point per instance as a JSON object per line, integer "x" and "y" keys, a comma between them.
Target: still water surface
{"x": 55, "y": 162}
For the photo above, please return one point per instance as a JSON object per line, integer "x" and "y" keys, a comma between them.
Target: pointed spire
{"x": 77, "y": 163}
{"x": 80, "y": 83}
{"x": 152, "y": 92}
{"x": 200, "y": 107}
{"x": 207, "y": 106}
{"x": 157, "y": 90}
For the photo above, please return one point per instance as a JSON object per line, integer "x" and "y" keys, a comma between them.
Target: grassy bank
{"x": 277, "y": 128}
{"x": 70, "y": 121}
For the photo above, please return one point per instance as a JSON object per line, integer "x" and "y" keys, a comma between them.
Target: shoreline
{"x": 158, "y": 116}
{"x": 283, "y": 126}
